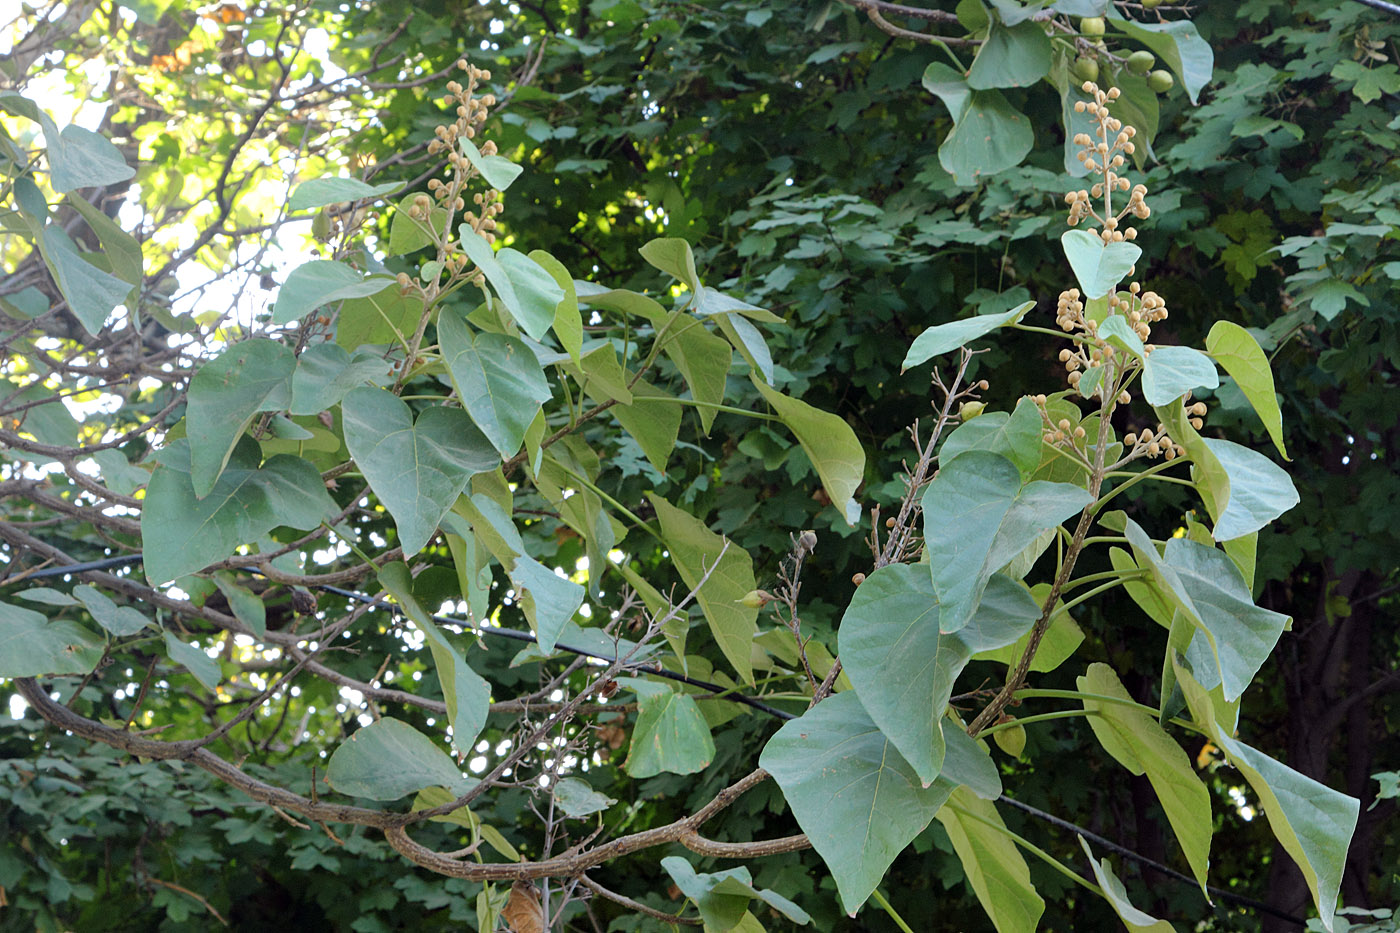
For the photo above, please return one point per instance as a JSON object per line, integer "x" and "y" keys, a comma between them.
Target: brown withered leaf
{"x": 523, "y": 913}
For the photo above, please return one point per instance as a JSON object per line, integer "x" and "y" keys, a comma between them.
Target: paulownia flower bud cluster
{"x": 1103, "y": 154}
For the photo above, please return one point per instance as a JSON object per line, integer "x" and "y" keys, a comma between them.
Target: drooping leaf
{"x": 1235, "y": 348}
{"x": 854, "y": 795}
{"x": 91, "y": 293}
{"x": 977, "y": 517}
{"x": 670, "y": 734}
{"x": 715, "y": 302}
{"x": 577, "y": 799}
{"x": 988, "y": 136}
{"x": 325, "y": 372}
{"x": 80, "y": 158}
{"x": 119, "y": 620}
{"x": 249, "y": 377}
{"x": 994, "y": 866}
{"x": 703, "y": 360}
{"x": 1138, "y": 743}
{"x": 748, "y": 340}
{"x": 468, "y": 697}
{"x": 321, "y": 282}
{"x": 389, "y": 759}
{"x": 672, "y": 255}
{"x": 194, "y": 660}
{"x": 830, "y": 444}
{"x": 555, "y": 599}
{"x": 1177, "y": 44}
{"x": 653, "y": 419}
{"x": 1018, "y": 56}
{"x": 32, "y": 646}
{"x": 1170, "y": 372}
{"x": 417, "y": 468}
{"x": 1098, "y": 266}
{"x": 568, "y": 322}
{"x": 723, "y": 897}
{"x": 1117, "y": 896}
{"x": 941, "y": 338}
{"x": 498, "y": 379}
{"x": 247, "y": 606}
{"x": 498, "y": 171}
{"x": 121, "y": 248}
{"x": 1313, "y": 822}
{"x": 181, "y": 533}
{"x": 695, "y": 550}
{"x": 537, "y": 295}
{"x": 904, "y": 669}
{"x": 1260, "y": 491}
{"x": 318, "y": 192}
{"x": 1059, "y": 643}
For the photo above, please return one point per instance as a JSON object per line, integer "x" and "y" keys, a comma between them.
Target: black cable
{"x": 1391, "y": 8}
{"x": 657, "y": 670}
{"x": 105, "y": 564}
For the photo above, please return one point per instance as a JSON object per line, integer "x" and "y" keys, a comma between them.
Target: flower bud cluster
{"x": 1104, "y": 154}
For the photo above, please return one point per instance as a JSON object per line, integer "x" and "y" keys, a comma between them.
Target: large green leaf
{"x": 32, "y": 646}
{"x": 92, "y": 293}
{"x": 1057, "y": 645}
{"x": 193, "y": 659}
{"x": 389, "y": 759}
{"x": 225, "y": 394}
{"x": 318, "y": 192}
{"x": 326, "y": 372}
{"x": 468, "y": 697}
{"x": 1016, "y": 436}
{"x": 321, "y": 282}
{"x": 695, "y": 549}
{"x": 552, "y": 600}
{"x": 857, "y": 799}
{"x": 703, "y": 359}
{"x": 577, "y": 798}
{"x": 1170, "y": 372}
{"x": 537, "y": 295}
{"x": 80, "y": 158}
{"x": 994, "y": 866}
{"x": 182, "y": 533}
{"x": 723, "y": 897}
{"x": 387, "y": 316}
{"x": 498, "y": 379}
{"x": 988, "y": 135}
{"x": 417, "y": 468}
{"x": 1235, "y": 348}
{"x": 568, "y": 322}
{"x": 830, "y": 444}
{"x": 121, "y": 248}
{"x": 977, "y": 518}
{"x": 1015, "y": 57}
{"x": 1117, "y": 897}
{"x": 498, "y": 171}
{"x": 1313, "y": 822}
{"x": 653, "y": 418}
{"x": 1138, "y": 743}
{"x": 1207, "y": 588}
{"x": 670, "y": 734}
{"x": 1176, "y": 43}
{"x": 904, "y": 669}
{"x": 941, "y": 338}
{"x": 119, "y": 620}
{"x": 1260, "y": 491}
{"x": 247, "y": 606}
{"x": 1098, "y": 266}
{"x": 672, "y": 255}
{"x": 748, "y": 340}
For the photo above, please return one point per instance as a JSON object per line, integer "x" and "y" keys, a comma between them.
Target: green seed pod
{"x": 1140, "y": 63}
{"x": 1086, "y": 68}
{"x": 1092, "y": 25}
{"x": 1161, "y": 81}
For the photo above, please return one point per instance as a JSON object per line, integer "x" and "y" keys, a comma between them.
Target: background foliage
{"x": 797, "y": 149}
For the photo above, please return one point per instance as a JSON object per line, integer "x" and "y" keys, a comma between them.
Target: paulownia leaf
{"x": 321, "y": 282}
{"x": 1138, "y": 743}
{"x": 1098, "y": 266}
{"x": 1016, "y": 436}
{"x": 417, "y": 468}
{"x": 1235, "y": 348}
{"x": 857, "y": 799}
{"x": 994, "y": 866}
{"x": 830, "y": 444}
{"x": 119, "y": 620}
{"x": 1170, "y": 372}
{"x": 389, "y": 759}
{"x": 468, "y": 697}
{"x": 91, "y": 293}
{"x": 672, "y": 255}
{"x": 498, "y": 379}
{"x": 1015, "y": 57}
{"x": 577, "y": 799}
{"x": 978, "y": 517}
{"x": 670, "y": 734}
{"x": 1259, "y": 490}
{"x": 1117, "y": 897}
{"x": 247, "y": 378}
{"x": 988, "y": 136}
{"x": 944, "y": 337}
{"x": 32, "y": 646}
{"x": 326, "y": 372}
{"x": 498, "y": 171}
{"x": 723, "y": 897}
{"x": 1313, "y": 822}
{"x": 904, "y": 669}
{"x": 194, "y": 660}
{"x": 318, "y": 192}
{"x": 696, "y": 549}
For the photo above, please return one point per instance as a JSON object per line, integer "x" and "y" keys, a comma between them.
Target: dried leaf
{"x": 523, "y": 913}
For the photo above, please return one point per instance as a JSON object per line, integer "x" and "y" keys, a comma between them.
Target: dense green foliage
{"x": 722, "y": 159}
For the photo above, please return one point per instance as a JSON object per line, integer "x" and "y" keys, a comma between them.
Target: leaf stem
{"x": 885, "y": 905}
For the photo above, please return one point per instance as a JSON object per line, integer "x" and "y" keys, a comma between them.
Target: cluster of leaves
{"x": 788, "y": 240}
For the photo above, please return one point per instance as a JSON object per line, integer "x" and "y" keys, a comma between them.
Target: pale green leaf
{"x": 319, "y": 192}
{"x": 408, "y": 233}
{"x": 389, "y": 759}
{"x": 670, "y": 733}
{"x": 91, "y": 293}
{"x": 1098, "y": 266}
{"x": 1117, "y": 897}
{"x": 672, "y": 255}
{"x": 388, "y": 316}
{"x": 537, "y": 295}
{"x": 830, "y": 444}
{"x": 577, "y": 799}
{"x": 321, "y": 282}
{"x": 1239, "y": 353}
{"x": 904, "y": 669}
{"x": 568, "y": 322}
{"x": 1260, "y": 491}
{"x": 1018, "y": 56}
{"x": 119, "y": 620}
{"x": 995, "y": 868}
{"x": 941, "y": 338}
{"x": 498, "y": 171}
{"x": 247, "y": 606}
{"x": 1016, "y": 436}
{"x": 977, "y": 518}
{"x": 1170, "y": 372}
{"x": 194, "y": 660}
{"x": 654, "y": 419}
{"x": 988, "y": 136}
{"x": 498, "y": 380}
{"x": 694, "y": 550}
{"x": 1177, "y": 44}
{"x": 32, "y": 646}
{"x": 247, "y": 378}
{"x": 80, "y": 158}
